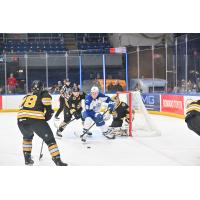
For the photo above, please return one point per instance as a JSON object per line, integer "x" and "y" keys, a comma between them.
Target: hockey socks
{"x": 27, "y": 148}
{"x": 54, "y": 151}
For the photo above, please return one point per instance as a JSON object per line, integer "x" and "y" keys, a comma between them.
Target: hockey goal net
{"x": 140, "y": 123}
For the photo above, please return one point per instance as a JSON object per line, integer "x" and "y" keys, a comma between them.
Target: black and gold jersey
{"x": 35, "y": 105}
{"x": 121, "y": 111}
{"x": 75, "y": 102}
{"x": 193, "y": 109}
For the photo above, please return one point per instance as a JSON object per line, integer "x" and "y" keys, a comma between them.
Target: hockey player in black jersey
{"x": 120, "y": 113}
{"x": 35, "y": 111}
{"x": 193, "y": 116}
{"x": 65, "y": 92}
{"x": 72, "y": 107}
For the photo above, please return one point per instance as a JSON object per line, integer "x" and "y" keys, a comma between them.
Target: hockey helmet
{"x": 37, "y": 86}
{"x": 75, "y": 89}
{"x": 115, "y": 98}
{"x": 94, "y": 89}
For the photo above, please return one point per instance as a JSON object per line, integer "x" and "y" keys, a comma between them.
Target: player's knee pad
{"x": 88, "y": 122}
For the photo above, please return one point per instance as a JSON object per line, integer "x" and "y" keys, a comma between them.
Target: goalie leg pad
{"x": 118, "y": 131}
{"x": 116, "y": 123}
{"x": 107, "y": 132}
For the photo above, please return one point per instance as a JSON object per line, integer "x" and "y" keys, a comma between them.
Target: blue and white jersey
{"x": 93, "y": 106}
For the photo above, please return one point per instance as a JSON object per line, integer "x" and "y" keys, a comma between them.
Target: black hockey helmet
{"x": 37, "y": 86}
{"x": 75, "y": 89}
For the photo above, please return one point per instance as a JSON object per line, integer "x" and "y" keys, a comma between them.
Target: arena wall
{"x": 173, "y": 105}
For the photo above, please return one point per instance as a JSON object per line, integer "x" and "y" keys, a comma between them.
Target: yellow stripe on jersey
{"x": 46, "y": 104}
{"x": 194, "y": 105}
{"x": 30, "y": 114}
{"x": 46, "y": 101}
{"x": 193, "y": 109}
{"x": 31, "y": 111}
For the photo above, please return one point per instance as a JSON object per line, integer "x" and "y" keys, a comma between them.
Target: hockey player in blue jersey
{"x": 93, "y": 104}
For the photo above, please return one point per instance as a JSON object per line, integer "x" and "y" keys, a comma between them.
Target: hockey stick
{"x": 41, "y": 154}
{"x": 82, "y": 135}
{"x": 56, "y": 126}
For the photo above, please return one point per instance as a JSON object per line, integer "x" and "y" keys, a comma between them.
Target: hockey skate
{"x": 58, "y": 133}
{"x": 85, "y": 134}
{"x": 108, "y": 134}
{"x": 83, "y": 137}
{"x": 56, "y": 118}
{"x": 59, "y": 162}
{"x": 28, "y": 160}
{"x": 89, "y": 133}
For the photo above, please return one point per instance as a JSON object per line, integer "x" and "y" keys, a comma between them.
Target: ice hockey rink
{"x": 176, "y": 146}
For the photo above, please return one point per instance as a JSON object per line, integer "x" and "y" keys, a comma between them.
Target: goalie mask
{"x": 115, "y": 98}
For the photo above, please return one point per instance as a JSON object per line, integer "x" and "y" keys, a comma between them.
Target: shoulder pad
{"x": 45, "y": 93}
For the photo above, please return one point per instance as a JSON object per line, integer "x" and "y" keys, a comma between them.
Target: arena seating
{"x": 93, "y": 41}
{"x": 55, "y": 43}
{"x": 35, "y": 42}
{"x": 39, "y": 46}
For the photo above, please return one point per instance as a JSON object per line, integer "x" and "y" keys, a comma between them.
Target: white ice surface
{"x": 176, "y": 146}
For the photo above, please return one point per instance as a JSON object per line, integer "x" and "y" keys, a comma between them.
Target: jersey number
{"x": 30, "y": 101}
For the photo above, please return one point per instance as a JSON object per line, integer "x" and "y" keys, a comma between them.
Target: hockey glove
{"x": 48, "y": 115}
{"x": 72, "y": 111}
{"x": 77, "y": 115}
{"x": 98, "y": 117}
{"x": 111, "y": 106}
